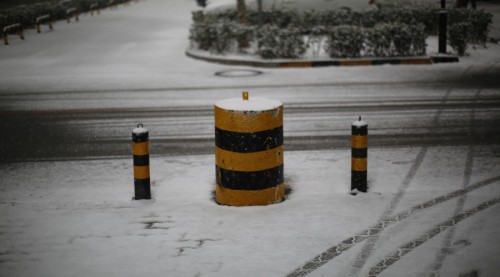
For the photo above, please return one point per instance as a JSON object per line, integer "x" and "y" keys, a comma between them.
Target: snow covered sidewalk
{"x": 76, "y": 218}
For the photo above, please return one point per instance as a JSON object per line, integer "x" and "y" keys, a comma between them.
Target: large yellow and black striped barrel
{"x": 359, "y": 165}
{"x": 249, "y": 151}
{"x": 140, "y": 151}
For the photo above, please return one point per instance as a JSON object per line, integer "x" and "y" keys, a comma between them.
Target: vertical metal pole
{"x": 443, "y": 28}
{"x": 38, "y": 30}
{"x": 443, "y": 4}
{"x": 359, "y": 157}
{"x": 5, "y": 38}
{"x": 140, "y": 151}
{"x": 259, "y": 9}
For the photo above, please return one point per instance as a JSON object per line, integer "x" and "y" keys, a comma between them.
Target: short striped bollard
{"x": 359, "y": 156}
{"x": 140, "y": 151}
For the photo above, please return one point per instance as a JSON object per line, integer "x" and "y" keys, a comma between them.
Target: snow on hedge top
{"x": 252, "y": 104}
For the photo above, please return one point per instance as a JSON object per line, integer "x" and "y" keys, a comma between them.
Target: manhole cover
{"x": 238, "y": 73}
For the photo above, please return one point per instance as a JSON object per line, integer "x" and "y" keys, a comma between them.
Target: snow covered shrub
{"x": 202, "y": 33}
{"x": 418, "y": 43}
{"x": 210, "y": 33}
{"x": 243, "y": 35}
{"x": 341, "y": 17}
{"x": 344, "y": 41}
{"x": 401, "y": 38}
{"x": 458, "y": 36}
{"x": 379, "y": 40}
{"x": 480, "y": 26}
{"x": 479, "y": 20}
{"x": 268, "y": 41}
{"x": 224, "y": 36}
{"x": 275, "y": 42}
{"x": 395, "y": 39}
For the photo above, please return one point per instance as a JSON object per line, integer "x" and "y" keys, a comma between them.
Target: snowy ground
{"x": 76, "y": 218}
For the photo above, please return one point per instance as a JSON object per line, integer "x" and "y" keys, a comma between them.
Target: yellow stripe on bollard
{"x": 141, "y": 148}
{"x": 359, "y": 141}
{"x": 141, "y": 172}
{"x": 249, "y": 161}
{"x": 248, "y": 198}
{"x": 359, "y": 164}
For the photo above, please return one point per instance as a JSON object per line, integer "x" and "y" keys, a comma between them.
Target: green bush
{"x": 379, "y": 40}
{"x": 395, "y": 39}
{"x": 275, "y": 42}
{"x": 393, "y": 30}
{"x": 202, "y": 33}
{"x": 458, "y": 36}
{"x": 344, "y": 41}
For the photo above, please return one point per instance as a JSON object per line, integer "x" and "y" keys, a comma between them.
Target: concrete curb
{"x": 290, "y": 63}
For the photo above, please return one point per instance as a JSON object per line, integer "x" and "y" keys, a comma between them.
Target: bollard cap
{"x": 359, "y": 123}
{"x": 140, "y": 133}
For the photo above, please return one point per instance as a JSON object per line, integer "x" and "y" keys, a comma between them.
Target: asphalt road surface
{"x": 464, "y": 109}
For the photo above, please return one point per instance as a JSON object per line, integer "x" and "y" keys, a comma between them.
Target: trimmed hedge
{"x": 275, "y": 42}
{"x": 345, "y": 41}
{"x": 390, "y": 31}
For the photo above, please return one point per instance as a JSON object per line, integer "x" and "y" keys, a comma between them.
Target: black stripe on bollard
{"x": 140, "y": 137}
{"x": 142, "y": 160}
{"x": 359, "y": 152}
{"x": 140, "y": 152}
{"x": 360, "y": 130}
{"x": 249, "y": 142}
{"x": 256, "y": 180}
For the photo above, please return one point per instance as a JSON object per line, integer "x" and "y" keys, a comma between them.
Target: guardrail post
{"x": 359, "y": 156}
{"x": 112, "y": 4}
{"x": 249, "y": 151}
{"x": 39, "y": 22}
{"x": 140, "y": 152}
{"x": 6, "y": 30}
{"x": 70, "y": 12}
{"x": 95, "y": 7}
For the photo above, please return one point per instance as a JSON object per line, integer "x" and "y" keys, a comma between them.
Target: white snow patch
{"x": 252, "y": 104}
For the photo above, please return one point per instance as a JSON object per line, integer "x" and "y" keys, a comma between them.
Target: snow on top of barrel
{"x": 252, "y": 104}
{"x": 359, "y": 123}
{"x": 139, "y": 130}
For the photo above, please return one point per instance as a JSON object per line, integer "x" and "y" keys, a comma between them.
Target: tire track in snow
{"x": 338, "y": 249}
{"x": 447, "y": 242}
{"x": 408, "y": 247}
{"x": 369, "y": 246}
{"x": 385, "y": 218}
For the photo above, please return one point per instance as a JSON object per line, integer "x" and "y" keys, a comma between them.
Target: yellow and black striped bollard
{"x": 359, "y": 153}
{"x": 249, "y": 151}
{"x": 140, "y": 151}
